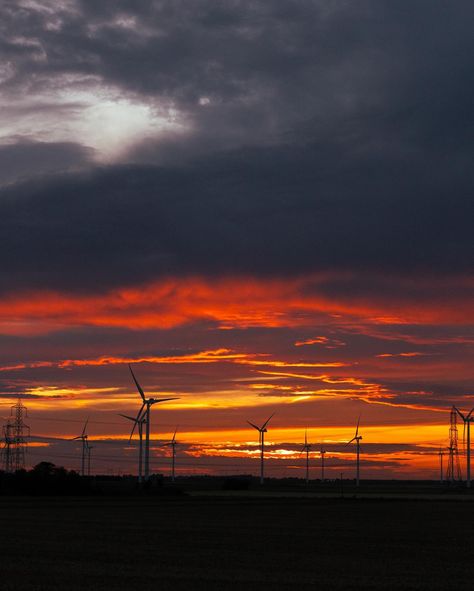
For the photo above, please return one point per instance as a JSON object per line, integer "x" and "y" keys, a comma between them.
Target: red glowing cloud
{"x": 234, "y": 302}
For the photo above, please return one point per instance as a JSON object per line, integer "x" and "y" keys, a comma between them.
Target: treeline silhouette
{"x": 48, "y": 479}
{"x": 45, "y": 479}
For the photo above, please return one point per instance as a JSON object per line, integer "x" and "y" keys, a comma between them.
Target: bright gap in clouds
{"x": 112, "y": 126}
{"x": 84, "y": 112}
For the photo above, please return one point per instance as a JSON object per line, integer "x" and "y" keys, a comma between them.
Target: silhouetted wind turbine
{"x": 173, "y": 444}
{"x": 262, "y": 430}
{"x": 89, "y": 448}
{"x": 138, "y": 422}
{"x": 357, "y": 439}
{"x": 145, "y": 409}
{"x": 306, "y": 448}
{"x": 441, "y": 454}
{"x": 322, "y": 452}
{"x": 83, "y": 437}
{"x": 467, "y": 420}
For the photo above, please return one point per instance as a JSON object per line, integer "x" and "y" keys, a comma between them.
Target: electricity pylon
{"x": 454, "y": 469}
{"x": 15, "y": 436}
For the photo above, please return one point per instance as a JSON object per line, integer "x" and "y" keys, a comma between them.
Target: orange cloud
{"x": 230, "y": 302}
{"x": 291, "y": 363}
{"x": 325, "y": 341}
{"x": 408, "y": 354}
{"x": 209, "y": 356}
{"x": 364, "y": 390}
{"x": 212, "y": 356}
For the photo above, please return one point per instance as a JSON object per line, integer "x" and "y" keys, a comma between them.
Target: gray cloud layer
{"x": 320, "y": 135}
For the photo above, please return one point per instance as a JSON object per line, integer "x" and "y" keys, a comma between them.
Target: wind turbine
{"x": 89, "y": 448}
{"x": 145, "y": 411}
{"x": 321, "y": 453}
{"x": 173, "y": 444}
{"x": 357, "y": 439}
{"x": 306, "y": 448}
{"x": 262, "y": 430}
{"x": 138, "y": 422}
{"x": 85, "y": 447}
{"x": 441, "y": 454}
{"x": 467, "y": 420}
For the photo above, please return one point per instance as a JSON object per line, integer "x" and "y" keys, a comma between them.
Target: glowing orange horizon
{"x": 308, "y": 368}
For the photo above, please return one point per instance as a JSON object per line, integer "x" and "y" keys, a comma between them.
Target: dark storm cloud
{"x": 323, "y": 135}
{"x": 121, "y": 225}
{"x": 267, "y": 67}
{"x": 23, "y": 160}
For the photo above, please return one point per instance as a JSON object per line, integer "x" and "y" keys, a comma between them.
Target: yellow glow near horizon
{"x": 113, "y": 399}
{"x": 421, "y": 434}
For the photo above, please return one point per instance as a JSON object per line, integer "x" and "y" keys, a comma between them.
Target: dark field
{"x": 234, "y": 543}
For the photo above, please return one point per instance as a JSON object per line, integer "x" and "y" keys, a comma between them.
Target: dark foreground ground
{"x": 196, "y": 543}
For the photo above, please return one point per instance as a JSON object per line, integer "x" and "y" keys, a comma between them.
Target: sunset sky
{"x": 262, "y": 206}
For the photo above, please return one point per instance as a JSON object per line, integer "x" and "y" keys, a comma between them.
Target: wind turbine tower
{"x": 89, "y": 448}
{"x": 467, "y": 420}
{"x": 85, "y": 448}
{"x": 138, "y": 422}
{"x": 441, "y": 454}
{"x": 306, "y": 448}
{"x": 357, "y": 438}
{"x": 322, "y": 454}
{"x": 261, "y": 430}
{"x": 145, "y": 412}
{"x": 173, "y": 443}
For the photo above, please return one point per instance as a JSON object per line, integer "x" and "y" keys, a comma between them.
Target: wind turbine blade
{"x": 254, "y": 426}
{"x": 267, "y": 421}
{"x": 140, "y": 413}
{"x": 353, "y": 439}
{"x": 131, "y": 432}
{"x": 174, "y": 434}
{"x": 357, "y": 428}
{"x": 136, "y": 421}
{"x": 306, "y": 437}
{"x": 460, "y": 413}
{"x": 470, "y": 413}
{"x": 76, "y": 438}
{"x": 85, "y": 427}
{"x": 155, "y": 400}
{"x": 139, "y": 388}
{"x": 127, "y": 417}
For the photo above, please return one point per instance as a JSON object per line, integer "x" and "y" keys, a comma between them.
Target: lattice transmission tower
{"x": 454, "y": 467}
{"x": 15, "y": 433}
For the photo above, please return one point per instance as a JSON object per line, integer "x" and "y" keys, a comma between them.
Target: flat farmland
{"x": 234, "y": 543}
